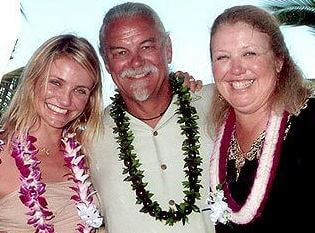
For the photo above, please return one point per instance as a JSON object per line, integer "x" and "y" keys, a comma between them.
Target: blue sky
{"x": 188, "y": 22}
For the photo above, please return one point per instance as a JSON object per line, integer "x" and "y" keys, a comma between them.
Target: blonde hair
{"x": 291, "y": 91}
{"x": 21, "y": 114}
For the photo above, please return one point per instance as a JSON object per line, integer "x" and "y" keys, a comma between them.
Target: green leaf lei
{"x": 190, "y": 146}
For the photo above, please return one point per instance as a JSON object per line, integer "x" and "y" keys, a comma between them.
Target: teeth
{"x": 140, "y": 75}
{"x": 242, "y": 84}
{"x": 56, "y": 109}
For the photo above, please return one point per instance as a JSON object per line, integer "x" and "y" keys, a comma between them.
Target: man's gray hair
{"x": 127, "y": 10}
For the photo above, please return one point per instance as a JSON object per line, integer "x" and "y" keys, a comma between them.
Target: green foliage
{"x": 293, "y": 12}
{"x": 187, "y": 116}
{"x": 8, "y": 86}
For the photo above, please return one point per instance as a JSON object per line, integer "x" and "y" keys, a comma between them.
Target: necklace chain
{"x": 152, "y": 118}
{"x": 155, "y": 117}
{"x": 187, "y": 120}
{"x": 45, "y": 150}
{"x": 240, "y": 157}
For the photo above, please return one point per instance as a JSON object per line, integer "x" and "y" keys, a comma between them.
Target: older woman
{"x": 264, "y": 117}
{"x": 57, "y": 107}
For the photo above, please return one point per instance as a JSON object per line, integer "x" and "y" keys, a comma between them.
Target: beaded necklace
{"x": 240, "y": 157}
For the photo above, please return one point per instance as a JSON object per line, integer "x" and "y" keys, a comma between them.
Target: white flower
{"x": 218, "y": 208}
{"x": 76, "y": 159}
{"x": 89, "y": 214}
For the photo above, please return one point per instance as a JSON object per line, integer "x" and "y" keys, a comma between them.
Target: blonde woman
{"x": 44, "y": 183}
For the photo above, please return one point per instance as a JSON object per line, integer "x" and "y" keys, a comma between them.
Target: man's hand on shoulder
{"x": 190, "y": 81}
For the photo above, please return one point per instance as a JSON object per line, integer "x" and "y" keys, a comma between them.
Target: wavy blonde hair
{"x": 21, "y": 114}
{"x": 291, "y": 91}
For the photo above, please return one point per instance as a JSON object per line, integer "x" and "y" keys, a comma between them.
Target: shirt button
{"x": 155, "y": 133}
{"x": 171, "y": 202}
{"x": 163, "y": 166}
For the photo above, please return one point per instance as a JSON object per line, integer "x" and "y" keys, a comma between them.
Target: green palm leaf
{"x": 293, "y": 12}
{"x": 8, "y": 86}
{"x": 22, "y": 11}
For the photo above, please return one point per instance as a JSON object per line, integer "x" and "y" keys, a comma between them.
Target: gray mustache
{"x": 130, "y": 72}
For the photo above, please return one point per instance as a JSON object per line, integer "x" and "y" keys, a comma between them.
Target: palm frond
{"x": 293, "y": 12}
{"x": 22, "y": 11}
{"x": 8, "y": 86}
{"x": 12, "y": 53}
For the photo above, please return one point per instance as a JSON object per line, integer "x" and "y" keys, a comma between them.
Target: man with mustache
{"x": 148, "y": 168}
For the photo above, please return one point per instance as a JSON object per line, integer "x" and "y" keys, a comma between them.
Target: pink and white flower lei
{"x": 1, "y": 144}
{"x": 266, "y": 170}
{"x": 75, "y": 161}
{"x": 32, "y": 189}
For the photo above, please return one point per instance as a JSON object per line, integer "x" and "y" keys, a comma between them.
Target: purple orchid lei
{"x": 32, "y": 189}
{"x": 1, "y": 146}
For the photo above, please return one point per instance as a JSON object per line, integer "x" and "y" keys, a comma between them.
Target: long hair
{"x": 127, "y": 10}
{"x": 291, "y": 91}
{"x": 21, "y": 114}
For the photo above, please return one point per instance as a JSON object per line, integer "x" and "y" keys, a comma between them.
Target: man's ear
{"x": 169, "y": 50}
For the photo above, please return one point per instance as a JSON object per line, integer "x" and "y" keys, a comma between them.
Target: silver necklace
{"x": 240, "y": 157}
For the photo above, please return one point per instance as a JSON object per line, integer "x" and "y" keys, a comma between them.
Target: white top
{"x": 155, "y": 151}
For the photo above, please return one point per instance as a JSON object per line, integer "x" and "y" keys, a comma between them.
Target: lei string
{"x": 187, "y": 116}
{"x": 32, "y": 189}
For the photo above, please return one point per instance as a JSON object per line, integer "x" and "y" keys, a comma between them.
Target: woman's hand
{"x": 189, "y": 81}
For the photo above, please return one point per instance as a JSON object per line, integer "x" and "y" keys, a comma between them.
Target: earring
{"x": 83, "y": 121}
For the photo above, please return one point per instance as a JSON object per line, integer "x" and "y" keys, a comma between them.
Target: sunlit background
{"x": 188, "y": 22}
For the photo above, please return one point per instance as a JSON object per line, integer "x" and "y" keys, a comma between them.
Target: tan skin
{"x": 67, "y": 94}
{"x": 48, "y": 134}
{"x": 245, "y": 71}
{"x": 133, "y": 43}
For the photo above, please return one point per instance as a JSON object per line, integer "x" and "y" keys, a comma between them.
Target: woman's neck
{"x": 47, "y": 137}
{"x": 249, "y": 126}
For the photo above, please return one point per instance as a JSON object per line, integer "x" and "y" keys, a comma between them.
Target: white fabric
{"x": 121, "y": 213}
{"x": 9, "y": 27}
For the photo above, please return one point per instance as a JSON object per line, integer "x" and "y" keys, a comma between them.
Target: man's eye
{"x": 122, "y": 52}
{"x": 249, "y": 53}
{"x": 119, "y": 53}
{"x": 146, "y": 47}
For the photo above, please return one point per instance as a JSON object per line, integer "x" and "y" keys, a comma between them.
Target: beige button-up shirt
{"x": 159, "y": 151}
